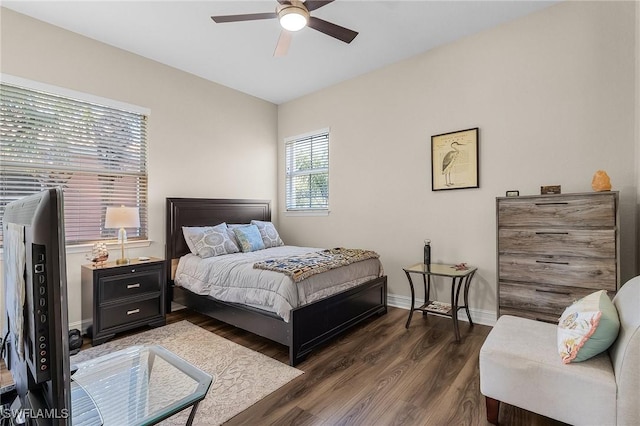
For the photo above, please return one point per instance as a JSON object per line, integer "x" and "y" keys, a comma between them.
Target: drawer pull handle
{"x": 133, "y": 270}
{"x": 552, "y": 262}
{"x": 134, "y": 311}
{"x": 566, "y": 293}
{"x": 551, "y": 204}
{"x": 136, "y": 285}
{"x": 552, "y": 233}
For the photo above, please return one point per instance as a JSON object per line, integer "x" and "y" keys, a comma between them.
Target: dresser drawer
{"x": 129, "y": 313}
{"x": 538, "y": 316}
{"x": 596, "y": 274}
{"x": 548, "y": 299}
{"x": 133, "y": 283}
{"x": 599, "y": 243}
{"x": 597, "y": 210}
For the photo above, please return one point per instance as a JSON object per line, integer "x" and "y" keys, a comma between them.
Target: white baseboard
{"x": 81, "y": 325}
{"x": 479, "y": 316}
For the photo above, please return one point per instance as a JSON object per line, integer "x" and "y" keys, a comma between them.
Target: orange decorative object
{"x": 601, "y": 181}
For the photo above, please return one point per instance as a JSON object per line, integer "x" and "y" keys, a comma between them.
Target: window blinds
{"x": 97, "y": 154}
{"x": 307, "y": 172}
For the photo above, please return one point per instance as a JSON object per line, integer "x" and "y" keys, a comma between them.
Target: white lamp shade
{"x": 122, "y": 217}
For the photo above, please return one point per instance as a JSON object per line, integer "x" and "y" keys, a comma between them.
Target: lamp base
{"x": 122, "y": 261}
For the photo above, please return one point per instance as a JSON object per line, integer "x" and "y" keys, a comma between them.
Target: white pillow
{"x": 187, "y": 232}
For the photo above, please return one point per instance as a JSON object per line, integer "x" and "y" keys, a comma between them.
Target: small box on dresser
{"x": 123, "y": 297}
{"x": 555, "y": 249}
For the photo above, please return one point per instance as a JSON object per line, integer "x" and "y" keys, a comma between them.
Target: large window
{"x": 96, "y": 153}
{"x": 307, "y": 172}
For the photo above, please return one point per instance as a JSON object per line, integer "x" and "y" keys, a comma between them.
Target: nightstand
{"x": 123, "y": 297}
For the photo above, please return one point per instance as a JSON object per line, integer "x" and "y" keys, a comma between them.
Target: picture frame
{"x": 454, "y": 160}
{"x": 550, "y": 189}
{"x": 513, "y": 193}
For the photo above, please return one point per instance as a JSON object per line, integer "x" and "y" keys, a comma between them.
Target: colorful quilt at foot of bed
{"x": 303, "y": 266}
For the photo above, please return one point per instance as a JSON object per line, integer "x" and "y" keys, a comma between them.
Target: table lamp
{"x": 122, "y": 217}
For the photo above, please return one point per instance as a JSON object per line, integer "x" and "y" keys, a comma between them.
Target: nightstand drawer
{"x": 127, "y": 313}
{"x": 129, "y": 285}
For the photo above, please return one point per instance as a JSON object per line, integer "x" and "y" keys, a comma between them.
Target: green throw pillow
{"x": 249, "y": 238}
{"x": 587, "y": 327}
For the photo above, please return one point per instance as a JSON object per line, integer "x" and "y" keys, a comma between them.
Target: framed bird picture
{"x": 454, "y": 160}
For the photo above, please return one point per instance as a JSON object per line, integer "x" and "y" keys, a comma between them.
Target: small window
{"x": 96, "y": 153}
{"x": 307, "y": 172}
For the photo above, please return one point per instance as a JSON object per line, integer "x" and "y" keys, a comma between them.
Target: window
{"x": 96, "y": 153}
{"x": 307, "y": 172}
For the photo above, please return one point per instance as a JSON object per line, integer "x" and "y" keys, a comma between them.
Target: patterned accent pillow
{"x": 269, "y": 234}
{"x": 249, "y": 238}
{"x": 587, "y": 327}
{"x": 187, "y": 232}
{"x": 232, "y": 235}
{"x": 209, "y": 241}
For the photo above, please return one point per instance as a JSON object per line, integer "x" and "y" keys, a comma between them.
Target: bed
{"x": 309, "y": 326}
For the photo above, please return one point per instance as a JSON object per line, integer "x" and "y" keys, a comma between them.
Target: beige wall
{"x": 638, "y": 135}
{"x": 205, "y": 140}
{"x": 553, "y": 96}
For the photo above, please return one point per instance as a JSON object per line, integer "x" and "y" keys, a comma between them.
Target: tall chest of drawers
{"x": 555, "y": 249}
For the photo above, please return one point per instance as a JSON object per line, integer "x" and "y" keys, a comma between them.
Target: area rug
{"x": 242, "y": 377}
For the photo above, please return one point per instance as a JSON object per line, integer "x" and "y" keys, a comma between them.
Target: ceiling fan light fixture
{"x": 293, "y": 18}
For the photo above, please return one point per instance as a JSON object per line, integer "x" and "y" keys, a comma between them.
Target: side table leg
{"x": 466, "y": 296}
{"x": 455, "y": 286}
{"x": 426, "y": 282}
{"x": 413, "y": 299}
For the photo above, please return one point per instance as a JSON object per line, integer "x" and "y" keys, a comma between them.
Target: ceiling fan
{"x": 293, "y": 16}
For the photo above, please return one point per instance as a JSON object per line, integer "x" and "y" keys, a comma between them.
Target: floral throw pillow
{"x": 209, "y": 241}
{"x": 269, "y": 234}
{"x": 587, "y": 327}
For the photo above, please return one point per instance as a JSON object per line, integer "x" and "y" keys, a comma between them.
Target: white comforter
{"x": 232, "y": 278}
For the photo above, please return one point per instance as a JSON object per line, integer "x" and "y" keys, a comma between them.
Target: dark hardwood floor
{"x": 377, "y": 374}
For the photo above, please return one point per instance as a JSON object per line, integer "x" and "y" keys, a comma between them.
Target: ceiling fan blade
{"x": 247, "y": 17}
{"x": 333, "y": 30}
{"x": 316, "y": 4}
{"x": 283, "y": 44}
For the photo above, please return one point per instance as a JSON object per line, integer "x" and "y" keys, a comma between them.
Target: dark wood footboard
{"x": 318, "y": 322}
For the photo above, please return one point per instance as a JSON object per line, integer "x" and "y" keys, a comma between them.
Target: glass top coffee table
{"x": 140, "y": 385}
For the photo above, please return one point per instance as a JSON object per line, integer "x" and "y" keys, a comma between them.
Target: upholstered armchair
{"x": 520, "y": 365}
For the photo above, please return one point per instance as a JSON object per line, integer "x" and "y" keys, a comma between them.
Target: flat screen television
{"x": 36, "y": 327}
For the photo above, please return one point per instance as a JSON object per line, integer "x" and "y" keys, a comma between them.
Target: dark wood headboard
{"x": 205, "y": 212}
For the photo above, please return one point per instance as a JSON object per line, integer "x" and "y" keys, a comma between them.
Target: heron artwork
{"x": 449, "y": 161}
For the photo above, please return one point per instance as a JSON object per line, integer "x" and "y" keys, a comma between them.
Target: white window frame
{"x": 140, "y": 236}
{"x": 289, "y": 175}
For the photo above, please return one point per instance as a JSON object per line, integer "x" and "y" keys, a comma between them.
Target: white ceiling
{"x": 240, "y": 55}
